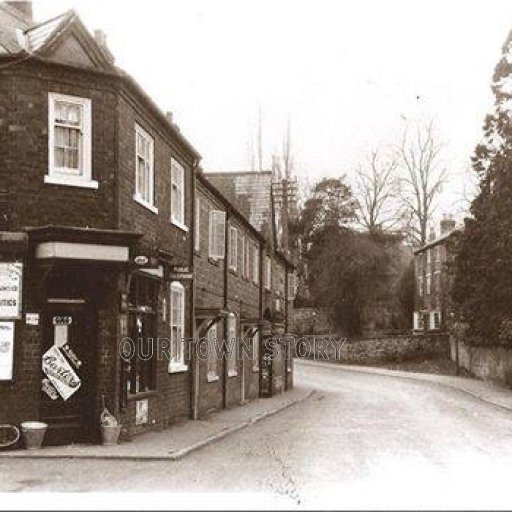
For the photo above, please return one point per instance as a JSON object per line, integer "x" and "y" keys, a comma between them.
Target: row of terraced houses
{"x": 122, "y": 263}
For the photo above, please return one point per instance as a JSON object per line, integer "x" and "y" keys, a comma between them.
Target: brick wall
{"x": 24, "y": 141}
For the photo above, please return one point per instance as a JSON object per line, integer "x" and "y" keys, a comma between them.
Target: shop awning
{"x": 86, "y": 244}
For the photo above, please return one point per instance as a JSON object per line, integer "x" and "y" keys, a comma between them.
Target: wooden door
{"x": 71, "y": 329}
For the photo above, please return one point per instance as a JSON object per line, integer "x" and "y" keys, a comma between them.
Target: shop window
{"x": 139, "y": 373}
{"x": 231, "y": 344}
{"x": 69, "y": 132}
{"x": 211, "y": 371}
{"x": 177, "y": 194}
{"x": 144, "y": 169}
{"x": 177, "y": 299}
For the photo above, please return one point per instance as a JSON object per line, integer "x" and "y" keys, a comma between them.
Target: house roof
{"x": 38, "y": 41}
{"x": 19, "y": 36}
{"x": 251, "y": 192}
{"x": 437, "y": 241}
{"x": 41, "y": 34}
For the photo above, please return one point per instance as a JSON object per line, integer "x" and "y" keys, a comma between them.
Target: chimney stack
{"x": 432, "y": 234}
{"x": 447, "y": 224}
{"x": 24, "y": 8}
{"x": 101, "y": 38}
{"x": 168, "y": 115}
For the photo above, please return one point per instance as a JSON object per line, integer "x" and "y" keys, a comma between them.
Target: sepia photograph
{"x": 255, "y": 255}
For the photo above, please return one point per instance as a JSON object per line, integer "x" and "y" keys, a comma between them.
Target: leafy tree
{"x": 483, "y": 280}
{"x": 343, "y": 266}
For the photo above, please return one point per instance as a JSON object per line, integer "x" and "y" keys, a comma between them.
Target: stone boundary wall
{"x": 488, "y": 363}
{"x": 373, "y": 350}
{"x": 311, "y": 320}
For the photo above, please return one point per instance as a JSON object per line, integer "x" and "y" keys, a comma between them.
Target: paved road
{"x": 361, "y": 441}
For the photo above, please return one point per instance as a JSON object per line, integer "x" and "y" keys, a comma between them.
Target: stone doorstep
{"x": 165, "y": 445}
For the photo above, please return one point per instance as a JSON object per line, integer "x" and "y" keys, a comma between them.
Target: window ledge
{"x": 179, "y": 225}
{"x": 71, "y": 181}
{"x": 147, "y": 205}
{"x": 232, "y": 373}
{"x": 212, "y": 378}
{"x": 177, "y": 368}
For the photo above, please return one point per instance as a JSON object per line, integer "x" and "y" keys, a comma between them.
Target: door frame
{"x": 89, "y": 427}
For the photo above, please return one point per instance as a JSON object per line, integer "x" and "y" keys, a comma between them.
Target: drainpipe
{"x": 194, "y": 360}
{"x": 225, "y": 304}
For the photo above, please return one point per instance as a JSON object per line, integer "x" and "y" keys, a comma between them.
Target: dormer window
{"x": 69, "y": 141}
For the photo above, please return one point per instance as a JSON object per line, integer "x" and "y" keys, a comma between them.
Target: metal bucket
{"x": 110, "y": 434}
{"x": 32, "y": 433}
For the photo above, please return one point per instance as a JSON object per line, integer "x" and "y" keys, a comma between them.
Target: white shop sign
{"x": 10, "y": 291}
{"x": 6, "y": 350}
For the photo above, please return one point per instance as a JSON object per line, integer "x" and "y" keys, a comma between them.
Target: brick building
{"x": 97, "y": 237}
{"x": 433, "y": 278}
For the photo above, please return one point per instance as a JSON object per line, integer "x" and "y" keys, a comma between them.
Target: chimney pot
{"x": 447, "y": 224}
{"x": 168, "y": 115}
{"x": 100, "y": 37}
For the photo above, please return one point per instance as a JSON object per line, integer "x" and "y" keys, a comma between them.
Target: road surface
{"x": 361, "y": 441}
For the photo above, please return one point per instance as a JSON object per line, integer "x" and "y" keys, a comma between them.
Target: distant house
{"x": 434, "y": 277}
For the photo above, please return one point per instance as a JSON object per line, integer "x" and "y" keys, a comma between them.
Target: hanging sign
{"x": 6, "y": 350}
{"x": 10, "y": 291}
{"x": 60, "y": 373}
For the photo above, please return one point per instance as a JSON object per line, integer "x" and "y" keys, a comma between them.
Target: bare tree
{"x": 422, "y": 177}
{"x": 255, "y": 144}
{"x": 376, "y": 190}
{"x": 283, "y": 162}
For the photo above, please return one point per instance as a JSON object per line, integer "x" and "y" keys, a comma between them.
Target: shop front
{"x": 65, "y": 336}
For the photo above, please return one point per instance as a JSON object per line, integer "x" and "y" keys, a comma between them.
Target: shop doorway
{"x": 68, "y": 386}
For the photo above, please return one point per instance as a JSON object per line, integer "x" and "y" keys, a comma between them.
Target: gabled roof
{"x": 46, "y": 39}
{"x": 41, "y": 34}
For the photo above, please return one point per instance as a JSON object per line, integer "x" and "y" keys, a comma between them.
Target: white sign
{"x": 10, "y": 291}
{"x": 6, "y": 350}
{"x": 60, "y": 373}
{"x": 32, "y": 318}
{"x": 141, "y": 412}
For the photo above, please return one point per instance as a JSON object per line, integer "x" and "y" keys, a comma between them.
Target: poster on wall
{"x": 10, "y": 291}
{"x": 60, "y": 373}
{"x": 6, "y": 350}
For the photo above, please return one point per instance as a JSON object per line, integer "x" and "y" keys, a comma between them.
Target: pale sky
{"x": 347, "y": 73}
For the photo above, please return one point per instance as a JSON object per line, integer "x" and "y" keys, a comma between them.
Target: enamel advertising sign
{"x": 6, "y": 349}
{"x": 60, "y": 373}
{"x": 10, "y": 291}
